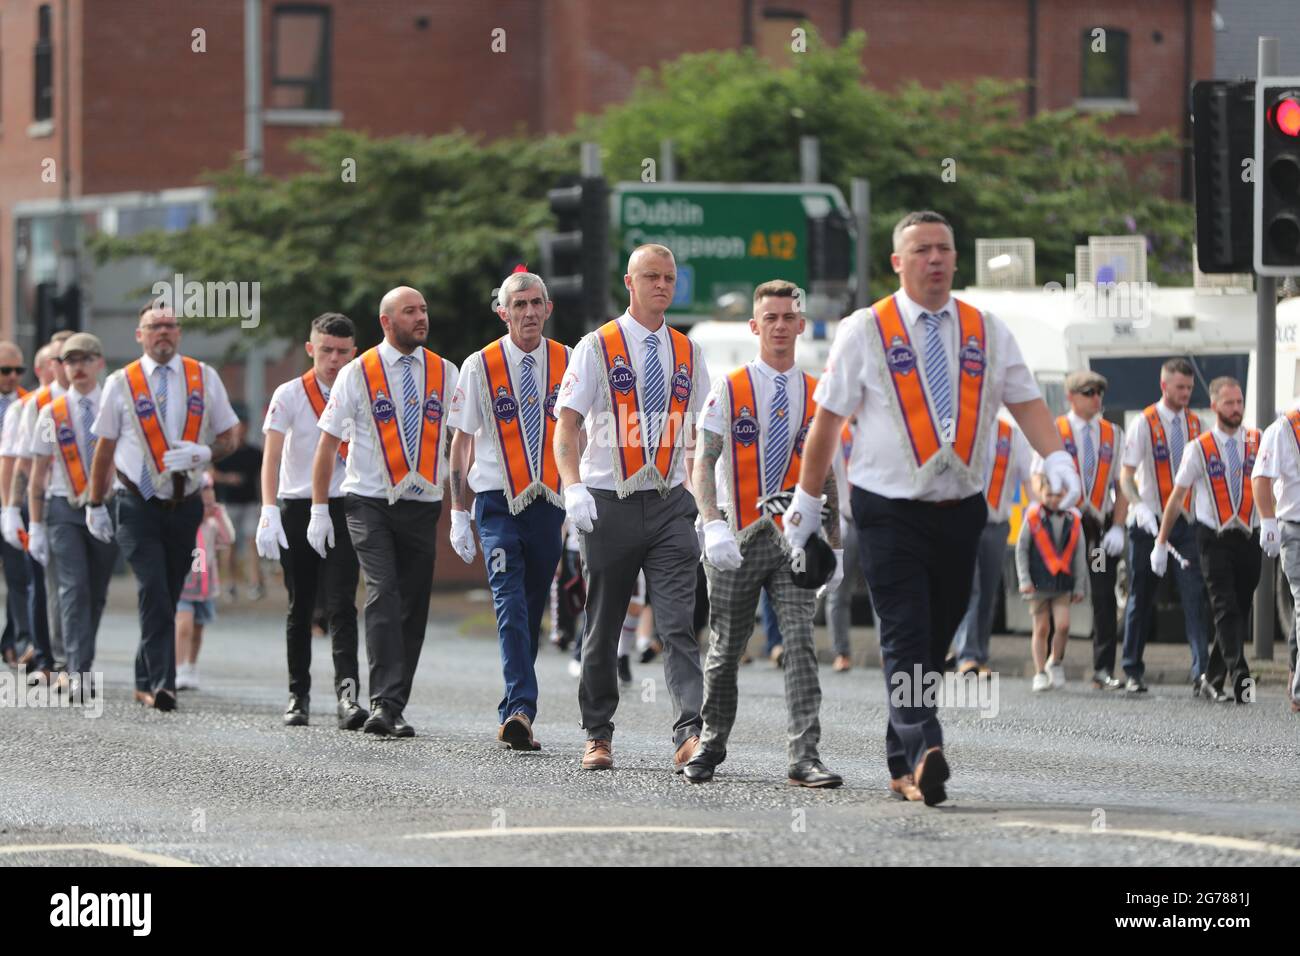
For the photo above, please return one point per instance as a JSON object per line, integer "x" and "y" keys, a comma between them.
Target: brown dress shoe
{"x": 599, "y": 755}
{"x": 968, "y": 666}
{"x": 685, "y": 752}
{"x": 144, "y": 697}
{"x": 11, "y": 657}
{"x": 29, "y": 655}
{"x": 930, "y": 775}
{"x": 842, "y": 663}
{"x": 62, "y": 682}
{"x": 1290, "y": 682}
{"x": 517, "y": 733}
{"x": 905, "y": 788}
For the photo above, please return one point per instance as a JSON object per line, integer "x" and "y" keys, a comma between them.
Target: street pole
{"x": 809, "y": 159}
{"x": 1265, "y": 610}
{"x": 860, "y": 192}
{"x": 667, "y": 162}
{"x": 255, "y": 367}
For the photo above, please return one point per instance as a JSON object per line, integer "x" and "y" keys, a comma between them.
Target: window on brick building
{"x": 775, "y": 35}
{"x": 1105, "y": 64}
{"x": 43, "y": 65}
{"x": 300, "y": 57}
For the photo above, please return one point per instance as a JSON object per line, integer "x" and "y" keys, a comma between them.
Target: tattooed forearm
{"x": 832, "y": 522}
{"x": 706, "y": 488}
{"x": 1128, "y": 485}
{"x": 223, "y": 444}
{"x": 457, "y": 489}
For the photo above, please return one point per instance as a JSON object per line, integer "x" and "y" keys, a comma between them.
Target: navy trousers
{"x": 521, "y": 553}
{"x": 1142, "y": 596}
{"x": 18, "y": 625}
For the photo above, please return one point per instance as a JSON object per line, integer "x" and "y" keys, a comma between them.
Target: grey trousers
{"x": 642, "y": 532}
{"x": 1291, "y": 568}
{"x": 85, "y": 569}
{"x": 58, "y": 643}
{"x": 972, "y": 639}
{"x": 839, "y": 603}
{"x": 396, "y": 545}
{"x": 733, "y": 596}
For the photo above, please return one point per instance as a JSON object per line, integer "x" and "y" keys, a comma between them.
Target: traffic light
{"x": 57, "y": 311}
{"x": 575, "y": 258}
{"x": 1277, "y": 176}
{"x": 1223, "y": 145}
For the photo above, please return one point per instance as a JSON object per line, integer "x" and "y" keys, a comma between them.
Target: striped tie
{"x": 410, "y": 408}
{"x": 532, "y": 412}
{"x": 778, "y": 438}
{"x": 1176, "y": 442}
{"x": 160, "y": 374}
{"x": 1089, "y": 459}
{"x": 87, "y": 431}
{"x": 936, "y": 373}
{"x": 1234, "y": 472}
{"x": 654, "y": 392}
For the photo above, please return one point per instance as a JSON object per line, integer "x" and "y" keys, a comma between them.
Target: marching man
{"x": 645, "y": 383}
{"x": 504, "y": 412}
{"x": 925, "y": 374}
{"x": 388, "y": 405}
{"x": 754, "y": 427}
{"x": 1221, "y": 461}
{"x": 291, "y": 436}
{"x": 1276, "y": 484}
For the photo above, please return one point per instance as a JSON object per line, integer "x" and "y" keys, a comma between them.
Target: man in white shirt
{"x": 1096, "y": 446}
{"x": 636, "y": 385}
{"x": 1276, "y": 484}
{"x": 288, "y": 453}
{"x": 162, "y": 421}
{"x": 57, "y": 496}
{"x": 1220, "y": 464}
{"x": 1153, "y": 453}
{"x": 1008, "y": 470}
{"x": 388, "y": 404}
{"x": 504, "y": 413}
{"x": 925, "y": 374}
{"x": 15, "y": 643}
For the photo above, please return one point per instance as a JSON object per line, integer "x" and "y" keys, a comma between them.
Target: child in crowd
{"x": 197, "y": 606}
{"x": 1051, "y": 563}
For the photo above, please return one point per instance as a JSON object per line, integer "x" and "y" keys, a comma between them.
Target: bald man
{"x": 388, "y": 404}
{"x": 15, "y": 643}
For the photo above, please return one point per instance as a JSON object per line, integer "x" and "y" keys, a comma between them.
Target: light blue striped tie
{"x": 410, "y": 408}
{"x": 654, "y": 392}
{"x": 87, "y": 430}
{"x": 937, "y": 375}
{"x": 160, "y": 375}
{"x": 532, "y": 411}
{"x": 1176, "y": 442}
{"x": 1234, "y": 472}
{"x": 778, "y": 438}
{"x": 1089, "y": 459}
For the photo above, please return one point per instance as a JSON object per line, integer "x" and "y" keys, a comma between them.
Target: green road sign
{"x": 730, "y": 237}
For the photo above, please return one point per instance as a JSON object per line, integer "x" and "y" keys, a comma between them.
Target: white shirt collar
{"x": 638, "y": 332}
{"x": 390, "y": 355}
{"x": 516, "y": 354}
{"x": 911, "y": 309}
{"x": 173, "y": 363}
{"x": 1221, "y": 436}
{"x": 1168, "y": 412}
{"x": 1078, "y": 421}
{"x": 772, "y": 373}
{"x": 75, "y": 397}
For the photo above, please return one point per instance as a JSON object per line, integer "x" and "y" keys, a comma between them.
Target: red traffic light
{"x": 1285, "y": 116}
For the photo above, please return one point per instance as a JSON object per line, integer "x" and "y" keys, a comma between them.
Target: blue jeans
{"x": 1142, "y": 595}
{"x": 521, "y": 552}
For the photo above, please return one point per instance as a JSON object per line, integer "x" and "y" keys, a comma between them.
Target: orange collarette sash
{"x": 74, "y": 464}
{"x": 387, "y": 421}
{"x": 1161, "y": 454}
{"x": 748, "y": 449}
{"x": 316, "y": 398}
{"x": 1056, "y": 563}
{"x": 1002, "y": 459}
{"x": 1293, "y": 418}
{"x": 1096, "y": 500}
{"x": 630, "y": 459}
{"x": 1216, "y": 471}
{"x": 153, "y": 438}
{"x": 523, "y": 483}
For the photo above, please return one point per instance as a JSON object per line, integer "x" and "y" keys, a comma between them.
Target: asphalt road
{"x": 1070, "y": 777}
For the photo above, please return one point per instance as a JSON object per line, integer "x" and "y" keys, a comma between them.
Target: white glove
{"x": 1145, "y": 518}
{"x": 462, "y": 536}
{"x": 1112, "y": 542}
{"x": 270, "y": 534}
{"x": 11, "y": 522}
{"x": 320, "y": 530}
{"x": 1062, "y": 477}
{"x": 802, "y": 518}
{"x": 720, "y": 547}
{"x": 1270, "y": 539}
{"x": 186, "y": 456}
{"x": 1159, "y": 559}
{"x": 837, "y": 577}
{"x": 580, "y": 507}
{"x": 99, "y": 524}
{"x": 38, "y": 545}
{"x": 699, "y": 533}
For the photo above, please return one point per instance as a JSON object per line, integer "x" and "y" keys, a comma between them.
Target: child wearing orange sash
{"x": 1053, "y": 572}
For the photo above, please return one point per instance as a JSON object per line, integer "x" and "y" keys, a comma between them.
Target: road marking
{"x": 1169, "y": 836}
{"x": 547, "y": 831}
{"x": 108, "y": 849}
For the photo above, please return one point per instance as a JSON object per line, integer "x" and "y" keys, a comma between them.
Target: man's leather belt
{"x": 170, "y": 504}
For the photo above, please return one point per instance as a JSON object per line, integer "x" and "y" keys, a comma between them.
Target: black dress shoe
{"x": 351, "y": 714}
{"x": 164, "y": 700}
{"x": 298, "y": 711}
{"x": 401, "y": 728}
{"x": 699, "y": 769}
{"x": 811, "y": 773}
{"x": 382, "y": 721}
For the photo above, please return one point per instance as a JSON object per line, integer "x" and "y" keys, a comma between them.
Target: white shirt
{"x": 1279, "y": 459}
{"x": 485, "y": 474}
{"x": 44, "y": 440}
{"x": 1078, "y": 425}
{"x": 1137, "y": 453}
{"x": 7, "y": 403}
{"x": 22, "y": 446}
{"x": 586, "y": 376}
{"x": 1018, "y": 469}
{"x": 850, "y": 385}
{"x": 347, "y": 415}
{"x": 9, "y": 430}
{"x": 291, "y": 414}
{"x": 116, "y": 420}
{"x": 1192, "y": 472}
{"x": 713, "y": 416}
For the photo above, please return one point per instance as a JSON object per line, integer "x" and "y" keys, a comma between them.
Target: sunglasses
{"x": 1092, "y": 390}
{"x": 12, "y": 369}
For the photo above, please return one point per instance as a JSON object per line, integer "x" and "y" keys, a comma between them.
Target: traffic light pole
{"x": 1265, "y": 400}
